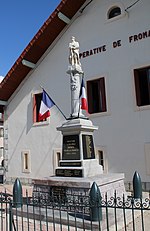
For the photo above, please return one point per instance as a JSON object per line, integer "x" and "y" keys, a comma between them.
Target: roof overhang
{"x": 38, "y": 45}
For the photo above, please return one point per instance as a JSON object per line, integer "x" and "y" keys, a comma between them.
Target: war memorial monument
{"x": 79, "y": 167}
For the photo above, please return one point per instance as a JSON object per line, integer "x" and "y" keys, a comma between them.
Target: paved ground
{"x": 138, "y": 223}
{"x": 9, "y": 189}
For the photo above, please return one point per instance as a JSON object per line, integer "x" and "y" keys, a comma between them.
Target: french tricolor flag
{"x": 46, "y": 104}
{"x": 83, "y": 98}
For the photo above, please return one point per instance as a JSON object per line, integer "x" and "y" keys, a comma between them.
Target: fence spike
{"x": 137, "y": 186}
{"x": 17, "y": 194}
{"x": 95, "y": 203}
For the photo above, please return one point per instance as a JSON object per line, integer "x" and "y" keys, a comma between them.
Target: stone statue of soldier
{"x": 74, "y": 52}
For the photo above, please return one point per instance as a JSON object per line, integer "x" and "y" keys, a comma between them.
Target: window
{"x": 101, "y": 155}
{"x": 58, "y": 157}
{"x": 142, "y": 86}
{"x": 1, "y": 132}
{"x": 101, "y": 158}
{"x": 1, "y": 118}
{"x": 36, "y": 107}
{"x": 26, "y": 168}
{"x": 3, "y": 163}
{"x": 26, "y": 161}
{"x": 96, "y": 95}
{"x": 114, "y": 12}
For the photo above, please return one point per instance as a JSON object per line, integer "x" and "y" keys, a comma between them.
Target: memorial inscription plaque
{"x": 69, "y": 172}
{"x": 71, "y": 149}
{"x": 88, "y": 147}
{"x": 70, "y": 164}
{"x": 58, "y": 192}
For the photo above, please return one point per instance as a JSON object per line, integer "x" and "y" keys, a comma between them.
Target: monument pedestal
{"x": 84, "y": 168}
{"x": 108, "y": 183}
{"x": 78, "y": 155}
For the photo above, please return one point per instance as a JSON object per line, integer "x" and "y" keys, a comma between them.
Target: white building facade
{"x": 114, "y": 39}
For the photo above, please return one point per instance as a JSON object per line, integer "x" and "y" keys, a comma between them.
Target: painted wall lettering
{"x": 137, "y": 37}
{"x": 117, "y": 44}
{"x": 93, "y": 51}
{"x": 133, "y": 38}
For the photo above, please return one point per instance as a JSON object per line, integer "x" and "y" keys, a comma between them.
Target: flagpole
{"x": 79, "y": 98}
{"x": 54, "y": 103}
{"x": 79, "y": 95}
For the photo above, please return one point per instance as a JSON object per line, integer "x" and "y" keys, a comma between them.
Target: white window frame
{"x": 42, "y": 122}
{"x": 1, "y": 131}
{"x": 108, "y": 111}
{"x": 103, "y": 149}
{"x": 112, "y": 6}
{"x": 26, "y": 170}
{"x": 55, "y": 158}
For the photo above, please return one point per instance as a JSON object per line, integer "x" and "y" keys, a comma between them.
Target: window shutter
{"x": 137, "y": 88}
{"x": 89, "y": 97}
{"x": 148, "y": 82}
{"x": 34, "y": 109}
{"x": 102, "y": 94}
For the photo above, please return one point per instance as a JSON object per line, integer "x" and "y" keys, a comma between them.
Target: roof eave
{"x": 37, "y": 46}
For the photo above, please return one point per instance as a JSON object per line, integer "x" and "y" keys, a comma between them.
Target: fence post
{"x": 137, "y": 186}
{"x": 95, "y": 203}
{"x": 17, "y": 194}
{"x": 10, "y": 217}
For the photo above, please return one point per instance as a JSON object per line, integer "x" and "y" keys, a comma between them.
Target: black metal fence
{"x": 73, "y": 211}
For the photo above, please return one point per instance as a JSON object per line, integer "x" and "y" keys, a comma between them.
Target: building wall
{"x": 1, "y": 140}
{"x": 39, "y": 141}
{"x": 124, "y": 130}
